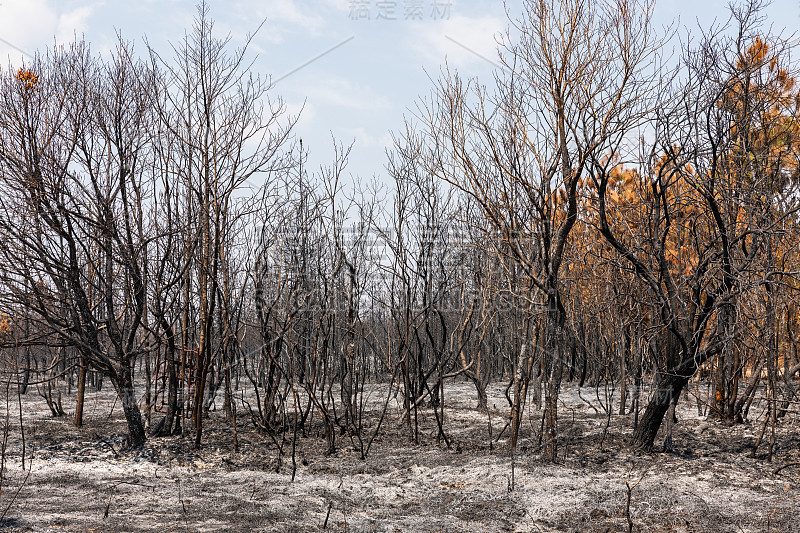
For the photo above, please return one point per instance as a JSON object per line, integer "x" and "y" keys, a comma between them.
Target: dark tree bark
{"x": 81, "y": 393}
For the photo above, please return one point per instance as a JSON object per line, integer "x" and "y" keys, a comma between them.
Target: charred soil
{"x": 86, "y": 480}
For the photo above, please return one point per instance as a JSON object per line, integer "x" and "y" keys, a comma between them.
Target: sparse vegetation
{"x": 592, "y": 252}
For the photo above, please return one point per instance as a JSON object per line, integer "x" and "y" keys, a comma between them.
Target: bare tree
{"x": 704, "y": 186}
{"x": 74, "y": 157}
{"x": 574, "y": 83}
{"x": 225, "y": 132}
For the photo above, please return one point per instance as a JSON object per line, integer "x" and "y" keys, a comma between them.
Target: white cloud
{"x": 283, "y": 17}
{"x": 342, "y": 92}
{"x": 32, "y": 25}
{"x": 339, "y": 5}
{"x": 27, "y": 25}
{"x": 464, "y": 41}
{"x": 73, "y": 23}
{"x": 303, "y": 110}
{"x": 364, "y": 139}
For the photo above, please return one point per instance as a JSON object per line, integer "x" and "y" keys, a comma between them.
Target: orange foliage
{"x": 765, "y": 104}
{"x": 5, "y": 324}
{"x": 27, "y": 77}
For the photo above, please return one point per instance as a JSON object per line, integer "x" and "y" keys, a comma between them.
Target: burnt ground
{"x": 84, "y": 480}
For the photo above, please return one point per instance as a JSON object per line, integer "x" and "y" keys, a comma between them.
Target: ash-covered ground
{"x": 84, "y": 480}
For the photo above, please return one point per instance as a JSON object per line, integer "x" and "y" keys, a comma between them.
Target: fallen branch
{"x": 774, "y": 472}
{"x": 107, "y": 443}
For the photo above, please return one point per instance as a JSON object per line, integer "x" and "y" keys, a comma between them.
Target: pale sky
{"x": 378, "y": 51}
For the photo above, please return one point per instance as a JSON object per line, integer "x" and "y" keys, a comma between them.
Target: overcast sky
{"x": 354, "y": 67}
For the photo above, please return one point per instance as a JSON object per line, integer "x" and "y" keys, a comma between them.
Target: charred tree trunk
{"x": 78, "y": 420}
{"x": 669, "y": 388}
{"x": 124, "y": 385}
{"x": 166, "y": 426}
{"x": 553, "y": 386}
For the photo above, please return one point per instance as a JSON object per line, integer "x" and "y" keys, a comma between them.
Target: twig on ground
{"x": 630, "y": 493}
{"x": 787, "y": 465}
{"x": 107, "y": 443}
